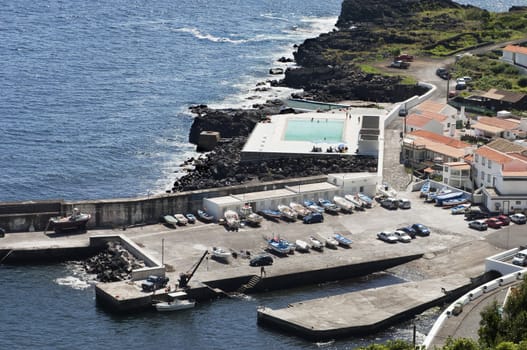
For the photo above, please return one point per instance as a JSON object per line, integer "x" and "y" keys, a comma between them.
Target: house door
{"x": 505, "y": 207}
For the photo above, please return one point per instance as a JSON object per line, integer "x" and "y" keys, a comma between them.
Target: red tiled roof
{"x": 417, "y": 120}
{"x": 436, "y": 116}
{"x": 495, "y": 156}
{"x": 516, "y": 49}
{"x": 431, "y": 106}
{"x": 499, "y": 123}
{"x": 445, "y": 140}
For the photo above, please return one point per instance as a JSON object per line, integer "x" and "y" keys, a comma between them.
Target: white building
{"x": 457, "y": 174}
{"x": 499, "y": 169}
{"x": 516, "y": 55}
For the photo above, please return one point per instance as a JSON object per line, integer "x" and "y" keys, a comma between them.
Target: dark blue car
{"x": 313, "y": 218}
{"x": 421, "y": 229}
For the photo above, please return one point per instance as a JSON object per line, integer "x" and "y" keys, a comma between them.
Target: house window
{"x": 477, "y": 158}
{"x": 361, "y": 189}
{"x": 490, "y": 164}
{"x": 488, "y": 177}
{"x": 482, "y": 161}
{"x": 475, "y": 173}
{"x": 482, "y": 175}
{"x": 518, "y": 202}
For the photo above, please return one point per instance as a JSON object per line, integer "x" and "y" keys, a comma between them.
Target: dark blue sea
{"x": 94, "y": 99}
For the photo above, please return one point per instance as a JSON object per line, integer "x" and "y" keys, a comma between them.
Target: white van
{"x": 520, "y": 258}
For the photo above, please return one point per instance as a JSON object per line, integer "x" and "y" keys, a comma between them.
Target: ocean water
{"x": 93, "y": 104}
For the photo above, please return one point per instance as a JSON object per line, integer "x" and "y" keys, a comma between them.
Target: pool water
{"x": 314, "y": 130}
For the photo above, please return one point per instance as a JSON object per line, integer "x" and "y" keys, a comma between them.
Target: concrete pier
{"x": 362, "y": 312}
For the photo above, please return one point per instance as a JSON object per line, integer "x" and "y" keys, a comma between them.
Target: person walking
{"x": 262, "y": 272}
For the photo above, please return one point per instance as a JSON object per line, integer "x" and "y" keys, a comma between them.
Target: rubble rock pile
{"x": 113, "y": 264}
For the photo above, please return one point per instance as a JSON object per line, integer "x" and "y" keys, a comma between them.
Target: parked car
{"x": 388, "y": 237}
{"x": 153, "y": 283}
{"x": 475, "y": 213}
{"x": 404, "y": 57}
{"x": 400, "y": 64}
{"x": 443, "y": 73}
{"x": 313, "y": 218}
{"x": 518, "y": 218}
{"x": 461, "y": 85}
{"x": 494, "y": 223}
{"x": 520, "y": 258}
{"x": 405, "y": 203}
{"x": 390, "y": 203}
{"x": 504, "y": 219}
{"x": 478, "y": 225}
{"x": 261, "y": 260}
{"x": 403, "y": 236}
{"x": 421, "y": 230}
{"x": 408, "y": 230}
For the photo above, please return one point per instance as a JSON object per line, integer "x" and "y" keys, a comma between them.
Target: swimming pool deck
{"x": 269, "y": 137}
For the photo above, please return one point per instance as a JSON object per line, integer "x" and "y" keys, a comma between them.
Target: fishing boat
{"x": 177, "y": 301}
{"x": 279, "y": 245}
{"x": 331, "y": 242}
{"x": 314, "y": 207}
{"x": 299, "y": 209}
{"x": 249, "y": 216}
{"x": 191, "y": 218}
{"x": 76, "y": 221}
{"x": 204, "y": 216}
{"x": 170, "y": 220}
{"x": 425, "y": 189}
{"x": 232, "y": 220}
{"x": 316, "y": 243}
{"x": 270, "y": 214}
{"x": 441, "y": 199}
{"x": 368, "y": 202}
{"x": 449, "y": 203}
{"x": 287, "y": 213}
{"x": 344, "y": 204}
{"x": 459, "y": 209}
{"x": 302, "y": 246}
{"x": 220, "y": 253}
{"x": 386, "y": 190}
{"x": 343, "y": 241}
{"x": 181, "y": 219}
{"x": 329, "y": 206}
{"x": 355, "y": 200}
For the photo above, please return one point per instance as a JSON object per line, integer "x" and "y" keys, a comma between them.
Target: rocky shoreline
{"x": 322, "y": 77}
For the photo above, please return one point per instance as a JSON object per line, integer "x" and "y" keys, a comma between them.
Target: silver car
{"x": 402, "y": 236}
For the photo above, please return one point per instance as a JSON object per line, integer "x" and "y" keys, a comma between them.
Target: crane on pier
{"x": 185, "y": 277}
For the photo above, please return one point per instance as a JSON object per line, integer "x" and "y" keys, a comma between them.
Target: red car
{"x": 494, "y": 223}
{"x": 404, "y": 57}
{"x": 504, "y": 220}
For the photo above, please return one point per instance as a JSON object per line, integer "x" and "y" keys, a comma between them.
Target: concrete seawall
{"x": 113, "y": 213}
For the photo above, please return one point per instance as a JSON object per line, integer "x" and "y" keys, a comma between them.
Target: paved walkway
{"x": 393, "y": 171}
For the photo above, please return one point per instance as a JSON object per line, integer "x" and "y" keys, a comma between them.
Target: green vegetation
{"x": 489, "y": 73}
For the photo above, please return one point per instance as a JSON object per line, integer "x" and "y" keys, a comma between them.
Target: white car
{"x": 402, "y": 236}
{"x": 518, "y": 218}
{"x": 388, "y": 237}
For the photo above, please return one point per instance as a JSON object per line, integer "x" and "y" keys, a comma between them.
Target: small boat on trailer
{"x": 287, "y": 213}
{"x": 270, "y": 214}
{"x": 359, "y": 205}
{"x": 300, "y": 209}
{"x": 343, "y": 241}
{"x": 302, "y": 246}
{"x": 316, "y": 243}
{"x": 76, "y": 221}
{"x": 204, "y": 216}
{"x": 232, "y": 220}
{"x": 220, "y": 253}
{"x": 177, "y": 301}
{"x": 249, "y": 216}
{"x": 344, "y": 204}
{"x": 368, "y": 202}
{"x": 314, "y": 207}
{"x": 181, "y": 219}
{"x": 329, "y": 206}
{"x": 331, "y": 242}
{"x": 170, "y": 220}
{"x": 279, "y": 245}
{"x": 425, "y": 189}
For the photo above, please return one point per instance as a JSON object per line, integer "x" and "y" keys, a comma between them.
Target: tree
{"x": 490, "y": 325}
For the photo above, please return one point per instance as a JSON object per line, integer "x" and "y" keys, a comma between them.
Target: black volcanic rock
{"x": 386, "y": 12}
